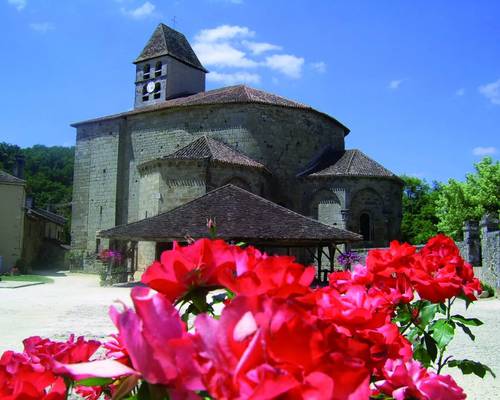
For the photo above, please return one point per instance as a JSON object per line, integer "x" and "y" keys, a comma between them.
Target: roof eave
{"x": 166, "y": 53}
{"x": 290, "y": 242}
{"x": 125, "y": 114}
{"x": 322, "y": 176}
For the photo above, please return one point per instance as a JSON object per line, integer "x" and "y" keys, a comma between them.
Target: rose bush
{"x": 379, "y": 331}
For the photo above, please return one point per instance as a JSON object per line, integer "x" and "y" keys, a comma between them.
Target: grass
{"x": 27, "y": 278}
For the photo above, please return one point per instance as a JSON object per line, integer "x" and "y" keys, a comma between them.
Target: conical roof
{"x": 206, "y": 147}
{"x": 350, "y": 163}
{"x": 167, "y": 41}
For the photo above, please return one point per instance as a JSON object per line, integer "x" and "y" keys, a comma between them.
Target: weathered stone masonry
{"x": 115, "y": 182}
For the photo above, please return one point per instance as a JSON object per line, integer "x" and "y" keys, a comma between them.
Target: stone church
{"x": 181, "y": 141}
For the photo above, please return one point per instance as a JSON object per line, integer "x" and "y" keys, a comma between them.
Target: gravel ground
{"x": 76, "y": 303}
{"x": 73, "y": 303}
{"x": 485, "y": 349}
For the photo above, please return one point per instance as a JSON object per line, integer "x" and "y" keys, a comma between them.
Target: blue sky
{"x": 418, "y": 83}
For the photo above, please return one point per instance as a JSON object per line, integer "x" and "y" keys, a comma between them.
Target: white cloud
{"x": 395, "y": 84}
{"x": 260, "y": 47}
{"x": 491, "y": 91}
{"x": 484, "y": 151}
{"x": 460, "y": 92}
{"x": 222, "y": 55}
{"x": 223, "y": 32}
{"x": 146, "y": 10}
{"x": 233, "y": 78}
{"x": 42, "y": 27}
{"x": 230, "y": 47}
{"x": 287, "y": 64}
{"x": 319, "y": 67}
{"x": 19, "y": 4}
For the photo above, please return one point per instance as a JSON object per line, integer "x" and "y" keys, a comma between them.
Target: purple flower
{"x": 348, "y": 258}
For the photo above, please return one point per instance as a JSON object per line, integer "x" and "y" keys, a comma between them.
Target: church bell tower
{"x": 167, "y": 68}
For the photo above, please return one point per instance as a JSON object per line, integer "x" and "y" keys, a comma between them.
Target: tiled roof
{"x": 239, "y": 215}
{"x": 8, "y": 178}
{"x": 208, "y": 148}
{"x": 166, "y": 41}
{"x": 353, "y": 163}
{"x": 50, "y": 216}
{"x": 227, "y": 95}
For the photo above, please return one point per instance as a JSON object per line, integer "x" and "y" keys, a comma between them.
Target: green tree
{"x": 7, "y": 154}
{"x": 48, "y": 173}
{"x": 470, "y": 200}
{"x": 419, "y": 221}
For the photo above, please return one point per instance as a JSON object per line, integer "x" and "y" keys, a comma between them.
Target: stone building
{"x": 12, "y": 197}
{"x": 44, "y": 238}
{"x": 180, "y": 142}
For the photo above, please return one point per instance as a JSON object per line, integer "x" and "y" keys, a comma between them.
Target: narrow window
{"x": 158, "y": 68}
{"x": 145, "y": 95}
{"x": 97, "y": 245}
{"x": 146, "y": 72}
{"x": 157, "y": 92}
{"x": 364, "y": 226}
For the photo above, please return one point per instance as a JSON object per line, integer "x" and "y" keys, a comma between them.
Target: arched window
{"x": 157, "y": 92}
{"x": 158, "y": 68}
{"x": 146, "y": 71}
{"x": 364, "y": 226}
{"x": 145, "y": 94}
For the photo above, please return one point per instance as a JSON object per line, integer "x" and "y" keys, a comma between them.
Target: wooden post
{"x": 320, "y": 269}
{"x": 331, "y": 252}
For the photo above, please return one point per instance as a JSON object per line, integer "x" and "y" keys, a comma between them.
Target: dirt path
{"x": 485, "y": 349}
{"x": 73, "y": 303}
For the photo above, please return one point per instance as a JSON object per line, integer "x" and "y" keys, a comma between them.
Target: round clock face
{"x": 151, "y": 87}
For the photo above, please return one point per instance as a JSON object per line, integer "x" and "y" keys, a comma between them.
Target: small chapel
{"x": 269, "y": 170}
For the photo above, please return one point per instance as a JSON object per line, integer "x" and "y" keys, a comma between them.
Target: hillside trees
{"x": 470, "y": 200}
{"x": 48, "y": 173}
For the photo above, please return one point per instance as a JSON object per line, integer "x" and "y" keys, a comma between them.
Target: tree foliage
{"x": 458, "y": 202}
{"x": 419, "y": 210}
{"x": 429, "y": 209}
{"x": 48, "y": 173}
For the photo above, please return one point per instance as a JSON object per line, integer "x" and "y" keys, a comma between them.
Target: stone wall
{"x": 175, "y": 79}
{"x": 490, "y": 251}
{"x": 340, "y": 201}
{"x": 108, "y": 153}
{"x": 96, "y": 182}
{"x": 12, "y": 197}
{"x": 110, "y": 189}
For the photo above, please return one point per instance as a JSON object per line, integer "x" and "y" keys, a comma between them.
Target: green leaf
{"x": 95, "y": 382}
{"x": 467, "y": 330}
{"x": 442, "y": 331}
{"x": 431, "y": 347}
{"x": 467, "y": 321}
{"x": 471, "y": 367}
{"x": 403, "y": 317}
{"x": 421, "y": 354}
{"x": 427, "y": 314}
{"x": 468, "y": 302}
